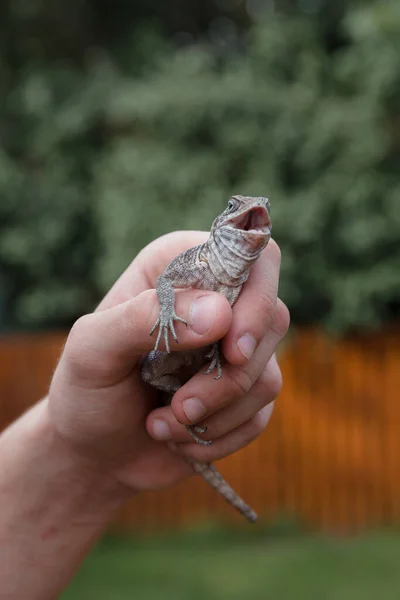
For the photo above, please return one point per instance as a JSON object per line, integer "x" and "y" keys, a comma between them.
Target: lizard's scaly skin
{"x": 222, "y": 264}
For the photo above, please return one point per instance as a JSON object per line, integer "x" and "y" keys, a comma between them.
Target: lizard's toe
{"x": 192, "y": 430}
{"x": 199, "y": 429}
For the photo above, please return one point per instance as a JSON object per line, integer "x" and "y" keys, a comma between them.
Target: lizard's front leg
{"x": 167, "y": 316}
{"x": 185, "y": 271}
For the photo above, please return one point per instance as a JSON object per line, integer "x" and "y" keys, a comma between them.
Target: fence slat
{"x": 330, "y": 456}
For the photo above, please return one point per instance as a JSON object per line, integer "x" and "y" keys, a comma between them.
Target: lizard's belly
{"x": 191, "y": 363}
{"x": 169, "y": 372}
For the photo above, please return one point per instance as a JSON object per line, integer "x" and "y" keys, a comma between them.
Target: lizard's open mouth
{"x": 255, "y": 220}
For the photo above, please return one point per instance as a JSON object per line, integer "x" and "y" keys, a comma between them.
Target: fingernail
{"x": 194, "y": 409}
{"x": 161, "y": 430}
{"x": 203, "y": 314}
{"x": 247, "y": 344}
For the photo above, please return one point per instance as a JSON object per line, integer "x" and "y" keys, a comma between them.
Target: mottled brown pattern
{"x": 222, "y": 264}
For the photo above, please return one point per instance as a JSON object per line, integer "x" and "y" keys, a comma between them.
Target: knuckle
{"x": 241, "y": 381}
{"x": 271, "y": 381}
{"x": 256, "y": 425}
{"x": 80, "y": 326}
{"x": 274, "y": 251}
{"x": 281, "y": 320}
{"x": 269, "y": 306}
{"x": 77, "y": 350}
{"x": 130, "y": 317}
{"x": 138, "y": 312}
{"x": 76, "y": 337}
{"x": 275, "y": 385}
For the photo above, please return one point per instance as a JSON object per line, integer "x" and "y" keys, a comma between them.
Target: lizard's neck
{"x": 229, "y": 256}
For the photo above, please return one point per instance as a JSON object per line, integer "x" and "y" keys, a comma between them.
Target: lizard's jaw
{"x": 255, "y": 221}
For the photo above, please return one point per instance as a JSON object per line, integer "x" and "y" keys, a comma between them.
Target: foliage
{"x": 101, "y": 157}
{"x": 47, "y": 232}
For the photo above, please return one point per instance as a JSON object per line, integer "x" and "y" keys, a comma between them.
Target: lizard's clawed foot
{"x": 193, "y": 430}
{"x": 200, "y": 429}
{"x": 165, "y": 322}
{"x": 215, "y": 356}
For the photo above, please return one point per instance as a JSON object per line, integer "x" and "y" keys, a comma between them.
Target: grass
{"x": 221, "y": 564}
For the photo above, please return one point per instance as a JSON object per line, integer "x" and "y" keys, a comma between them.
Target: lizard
{"x": 222, "y": 264}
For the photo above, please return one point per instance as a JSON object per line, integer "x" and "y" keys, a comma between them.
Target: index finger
{"x": 254, "y": 310}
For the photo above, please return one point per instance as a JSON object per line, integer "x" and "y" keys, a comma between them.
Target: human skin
{"x": 73, "y": 460}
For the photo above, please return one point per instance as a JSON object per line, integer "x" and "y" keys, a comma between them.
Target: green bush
{"x": 104, "y": 159}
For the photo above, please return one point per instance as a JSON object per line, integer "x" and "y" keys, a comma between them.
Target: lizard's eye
{"x": 231, "y": 205}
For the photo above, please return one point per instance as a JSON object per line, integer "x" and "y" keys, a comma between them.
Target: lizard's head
{"x": 249, "y": 218}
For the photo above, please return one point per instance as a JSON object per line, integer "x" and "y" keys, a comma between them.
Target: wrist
{"x": 54, "y": 465}
{"x": 54, "y": 504}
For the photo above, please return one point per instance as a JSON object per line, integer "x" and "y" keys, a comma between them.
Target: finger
{"x": 259, "y": 294}
{"x": 264, "y": 391}
{"x": 104, "y": 346}
{"x": 162, "y": 424}
{"x": 231, "y": 442}
{"x": 143, "y": 271}
{"x": 202, "y": 396}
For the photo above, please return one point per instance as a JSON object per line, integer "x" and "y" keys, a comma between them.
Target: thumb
{"x": 103, "y": 347}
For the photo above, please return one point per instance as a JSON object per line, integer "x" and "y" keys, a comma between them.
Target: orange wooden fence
{"x": 331, "y": 453}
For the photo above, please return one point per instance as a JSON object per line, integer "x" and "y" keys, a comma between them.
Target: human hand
{"x": 108, "y": 417}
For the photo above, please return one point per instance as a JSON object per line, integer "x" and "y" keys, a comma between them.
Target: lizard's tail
{"x": 216, "y": 481}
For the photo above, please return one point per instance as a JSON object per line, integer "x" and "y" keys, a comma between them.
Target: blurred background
{"x": 121, "y": 121}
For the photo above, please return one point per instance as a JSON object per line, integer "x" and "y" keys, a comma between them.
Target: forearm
{"x": 52, "y": 509}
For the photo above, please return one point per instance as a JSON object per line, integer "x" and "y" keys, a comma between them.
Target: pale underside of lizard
{"x": 221, "y": 264}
